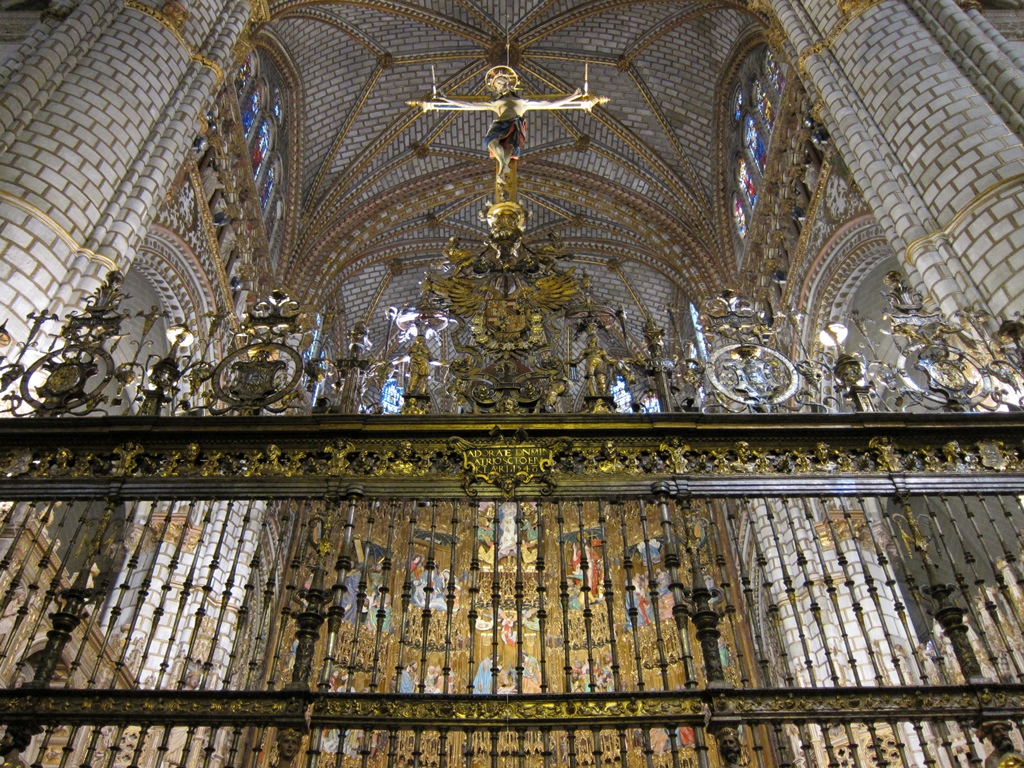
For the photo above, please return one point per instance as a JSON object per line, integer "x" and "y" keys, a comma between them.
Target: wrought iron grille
{"x": 401, "y": 592}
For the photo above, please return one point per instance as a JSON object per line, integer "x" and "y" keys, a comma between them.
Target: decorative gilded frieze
{"x": 310, "y": 710}
{"x": 508, "y": 466}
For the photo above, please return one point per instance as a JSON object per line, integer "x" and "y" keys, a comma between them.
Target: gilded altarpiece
{"x": 510, "y": 598}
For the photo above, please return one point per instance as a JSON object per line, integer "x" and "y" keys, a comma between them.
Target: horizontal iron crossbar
{"x": 299, "y": 709}
{"x": 564, "y": 456}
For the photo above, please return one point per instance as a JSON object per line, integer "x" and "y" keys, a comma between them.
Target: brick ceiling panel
{"x": 320, "y": 52}
{"x": 534, "y": 12}
{"x": 402, "y": 290}
{"x": 376, "y": 127}
{"x": 606, "y": 288}
{"x": 606, "y": 34}
{"x": 408, "y": 184}
{"x": 625, "y": 123}
{"x": 685, "y": 93}
{"x": 460, "y": 10}
{"x": 403, "y": 28}
{"x": 518, "y": 10}
{"x": 357, "y": 295}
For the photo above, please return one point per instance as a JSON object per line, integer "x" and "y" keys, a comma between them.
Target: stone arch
{"x": 177, "y": 276}
{"x": 840, "y": 267}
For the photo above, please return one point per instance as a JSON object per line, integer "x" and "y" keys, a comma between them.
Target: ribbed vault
{"x": 380, "y": 182}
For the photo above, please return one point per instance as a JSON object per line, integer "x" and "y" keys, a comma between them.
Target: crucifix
{"x": 507, "y": 134}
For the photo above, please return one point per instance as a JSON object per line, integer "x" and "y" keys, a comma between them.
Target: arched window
{"x": 764, "y": 103}
{"x": 755, "y": 146}
{"x": 263, "y": 104}
{"x": 755, "y": 110}
{"x": 739, "y": 216}
{"x": 267, "y": 187}
{"x": 251, "y": 110}
{"x": 391, "y": 398}
{"x": 649, "y": 403}
{"x": 260, "y": 147}
{"x": 747, "y": 183}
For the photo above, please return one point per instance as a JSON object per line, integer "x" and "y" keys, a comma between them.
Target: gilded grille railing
{"x": 668, "y": 591}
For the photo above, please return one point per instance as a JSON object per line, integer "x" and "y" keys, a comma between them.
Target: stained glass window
{"x": 276, "y": 109}
{"x": 391, "y": 397}
{"x": 754, "y": 143}
{"x": 260, "y": 147}
{"x": 747, "y": 183}
{"x": 267, "y": 189}
{"x": 649, "y": 403}
{"x": 244, "y": 74}
{"x": 771, "y": 66}
{"x": 251, "y": 110}
{"x": 764, "y": 104}
{"x": 737, "y": 106}
{"x": 739, "y": 216}
{"x": 623, "y": 397}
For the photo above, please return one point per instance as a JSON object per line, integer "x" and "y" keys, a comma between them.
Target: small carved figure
{"x": 288, "y": 744}
{"x": 419, "y": 368}
{"x": 730, "y": 749}
{"x": 596, "y": 366}
{"x": 1004, "y": 754}
{"x": 211, "y": 180}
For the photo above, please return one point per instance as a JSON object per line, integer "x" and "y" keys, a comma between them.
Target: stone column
{"x": 97, "y": 109}
{"x": 936, "y": 156}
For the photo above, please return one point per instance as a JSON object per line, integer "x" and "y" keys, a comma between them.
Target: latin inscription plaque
{"x": 507, "y": 465}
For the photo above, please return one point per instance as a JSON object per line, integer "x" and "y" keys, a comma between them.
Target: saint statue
{"x": 419, "y": 368}
{"x": 596, "y": 366}
{"x": 507, "y": 134}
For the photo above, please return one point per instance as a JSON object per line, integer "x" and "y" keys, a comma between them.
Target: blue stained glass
{"x": 276, "y": 109}
{"x": 260, "y": 148}
{"x": 252, "y": 109}
{"x": 737, "y": 107}
{"x": 739, "y": 217}
{"x": 754, "y": 144}
{"x": 747, "y": 183}
{"x": 764, "y": 104}
{"x": 772, "y": 68}
{"x": 623, "y": 397}
{"x": 391, "y": 397}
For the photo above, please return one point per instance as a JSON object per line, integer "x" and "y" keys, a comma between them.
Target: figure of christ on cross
{"x": 507, "y": 133}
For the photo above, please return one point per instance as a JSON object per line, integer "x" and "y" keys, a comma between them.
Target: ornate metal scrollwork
{"x": 753, "y": 374}
{"x": 72, "y": 378}
{"x": 264, "y": 373}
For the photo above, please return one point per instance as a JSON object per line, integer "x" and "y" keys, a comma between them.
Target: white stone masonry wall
{"x": 94, "y": 122}
{"x": 929, "y": 134}
{"x": 215, "y": 635}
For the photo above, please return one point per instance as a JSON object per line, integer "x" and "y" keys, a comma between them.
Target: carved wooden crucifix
{"x": 507, "y": 134}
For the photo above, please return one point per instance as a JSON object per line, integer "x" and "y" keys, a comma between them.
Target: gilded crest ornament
{"x": 752, "y": 374}
{"x": 263, "y": 374}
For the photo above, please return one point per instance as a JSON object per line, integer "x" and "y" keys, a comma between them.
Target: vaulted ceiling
{"x": 635, "y": 188}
